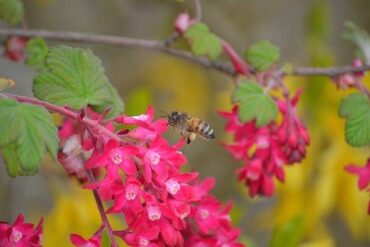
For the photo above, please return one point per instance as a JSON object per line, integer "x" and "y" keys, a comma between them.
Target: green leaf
{"x": 289, "y": 234}
{"x": 262, "y": 54}
{"x": 254, "y": 103}
{"x": 75, "y": 77}
{"x": 203, "y": 42}
{"x": 11, "y": 161}
{"x": 11, "y": 11}
{"x": 26, "y": 133}
{"x": 356, "y": 109}
{"x": 360, "y": 38}
{"x": 36, "y": 52}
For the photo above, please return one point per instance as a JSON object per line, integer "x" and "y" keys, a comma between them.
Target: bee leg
{"x": 191, "y": 137}
{"x": 188, "y": 140}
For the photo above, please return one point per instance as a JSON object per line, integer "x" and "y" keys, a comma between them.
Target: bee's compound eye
{"x": 174, "y": 113}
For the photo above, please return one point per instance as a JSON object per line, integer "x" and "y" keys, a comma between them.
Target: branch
{"x": 103, "y": 215}
{"x": 197, "y": 10}
{"x": 67, "y": 113}
{"x": 119, "y": 41}
{"x": 331, "y": 71}
{"x": 161, "y": 47}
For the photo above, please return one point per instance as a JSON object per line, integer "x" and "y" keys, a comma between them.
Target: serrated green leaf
{"x": 254, "y": 103}
{"x": 36, "y": 52}
{"x": 262, "y": 54}
{"x": 13, "y": 167}
{"x": 245, "y": 88}
{"x": 356, "y": 109}
{"x": 11, "y": 11}
{"x": 75, "y": 77}
{"x": 360, "y": 38}
{"x": 26, "y": 131}
{"x": 203, "y": 42}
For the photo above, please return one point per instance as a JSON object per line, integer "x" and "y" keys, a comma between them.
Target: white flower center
{"x": 117, "y": 159}
{"x": 154, "y": 213}
{"x": 130, "y": 192}
{"x": 204, "y": 214}
{"x": 153, "y": 157}
{"x": 16, "y": 235}
{"x": 143, "y": 242}
{"x": 172, "y": 186}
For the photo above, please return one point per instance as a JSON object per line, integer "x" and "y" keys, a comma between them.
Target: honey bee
{"x": 189, "y": 126}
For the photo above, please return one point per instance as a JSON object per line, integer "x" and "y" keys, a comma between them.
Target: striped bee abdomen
{"x": 207, "y": 131}
{"x": 202, "y": 128}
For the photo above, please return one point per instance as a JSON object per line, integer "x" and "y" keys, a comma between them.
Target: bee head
{"x": 173, "y": 118}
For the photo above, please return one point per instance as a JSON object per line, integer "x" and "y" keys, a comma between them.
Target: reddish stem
{"x": 239, "y": 64}
{"x": 67, "y": 113}
{"x": 103, "y": 215}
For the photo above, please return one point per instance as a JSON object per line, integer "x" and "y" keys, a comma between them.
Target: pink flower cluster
{"x": 20, "y": 234}
{"x": 141, "y": 177}
{"x": 363, "y": 174}
{"x": 264, "y": 150}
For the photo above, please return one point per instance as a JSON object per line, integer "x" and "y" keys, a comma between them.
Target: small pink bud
{"x": 357, "y": 63}
{"x": 268, "y": 186}
{"x": 182, "y": 22}
{"x": 292, "y": 140}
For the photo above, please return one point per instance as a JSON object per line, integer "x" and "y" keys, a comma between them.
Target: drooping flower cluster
{"x": 20, "y": 234}
{"x": 264, "y": 150}
{"x": 140, "y": 175}
{"x": 363, "y": 174}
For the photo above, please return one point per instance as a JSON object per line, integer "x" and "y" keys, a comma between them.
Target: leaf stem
{"x": 103, "y": 215}
{"x": 67, "y": 113}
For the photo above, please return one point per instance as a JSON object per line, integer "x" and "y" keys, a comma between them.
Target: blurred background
{"x": 318, "y": 205}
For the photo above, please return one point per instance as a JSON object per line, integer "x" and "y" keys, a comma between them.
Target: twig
{"x": 67, "y": 113}
{"x": 160, "y": 46}
{"x": 330, "y": 71}
{"x": 103, "y": 215}
{"x": 197, "y": 10}
{"x": 118, "y": 41}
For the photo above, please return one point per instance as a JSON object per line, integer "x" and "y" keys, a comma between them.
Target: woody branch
{"x": 162, "y": 46}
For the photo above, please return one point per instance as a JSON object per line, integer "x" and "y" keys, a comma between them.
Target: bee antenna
{"x": 166, "y": 114}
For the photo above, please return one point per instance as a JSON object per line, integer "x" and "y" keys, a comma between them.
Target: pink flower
{"x": 140, "y": 177}
{"x": 183, "y": 22}
{"x": 115, "y": 156}
{"x": 14, "y": 48}
{"x": 363, "y": 174}
{"x": 94, "y": 241}
{"x": 264, "y": 150}
{"x": 20, "y": 234}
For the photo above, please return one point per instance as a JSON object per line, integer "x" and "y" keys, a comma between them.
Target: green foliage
{"x": 262, "y": 54}
{"x": 360, "y": 38}
{"x": 26, "y": 133}
{"x": 254, "y": 103}
{"x": 289, "y": 234}
{"x": 75, "y": 77}
{"x": 356, "y": 109}
{"x": 36, "y": 52}
{"x": 11, "y": 11}
{"x": 203, "y": 42}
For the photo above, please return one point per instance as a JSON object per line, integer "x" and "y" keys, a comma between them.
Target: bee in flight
{"x": 189, "y": 126}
